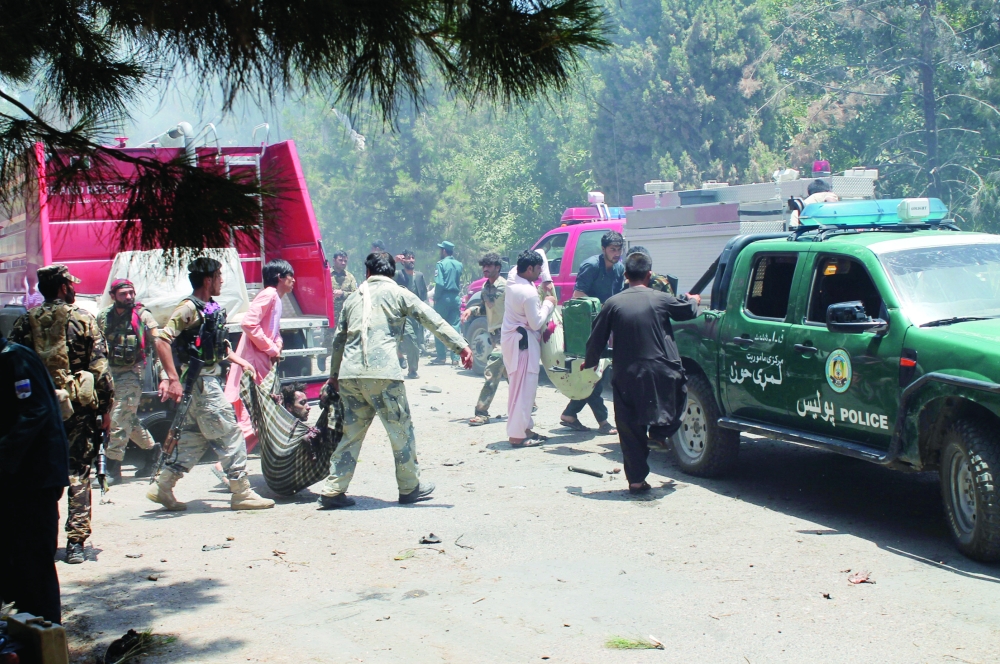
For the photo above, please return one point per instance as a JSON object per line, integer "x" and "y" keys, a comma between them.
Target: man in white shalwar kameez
{"x": 524, "y": 310}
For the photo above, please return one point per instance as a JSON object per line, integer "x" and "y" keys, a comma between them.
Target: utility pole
{"x": 927, "y": 58}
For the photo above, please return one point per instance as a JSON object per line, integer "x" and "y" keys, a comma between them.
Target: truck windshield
{"x": 947, "y": 283}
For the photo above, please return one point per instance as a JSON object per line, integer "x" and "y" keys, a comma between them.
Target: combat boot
{"x": 245, "y": 498}
{"x": 113, "y": 472}
{"x": 163, "y": 491}
{"x": 152, "y": 458}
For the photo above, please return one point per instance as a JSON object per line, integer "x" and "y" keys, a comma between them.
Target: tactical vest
{"x": 126, "y": 345}
{"x": 206, "y": 341}
{"x": 48, "y": 332}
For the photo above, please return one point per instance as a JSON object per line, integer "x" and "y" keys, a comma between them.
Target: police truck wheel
{"x": 701, "y": 446}
{"x": 970, "y": 486}
{"x": 479, "y": 341}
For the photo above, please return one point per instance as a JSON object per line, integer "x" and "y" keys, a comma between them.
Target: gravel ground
{"x": 538, "y": 563}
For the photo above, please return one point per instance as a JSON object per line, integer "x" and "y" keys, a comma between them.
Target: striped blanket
{"x": 293, "y": 454}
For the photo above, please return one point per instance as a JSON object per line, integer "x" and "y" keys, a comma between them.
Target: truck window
{"x": 588, "y": 245}
{"x": 841, "y": 279}
{"x": 771, "y": 285}
{"x": 554, "y": 247}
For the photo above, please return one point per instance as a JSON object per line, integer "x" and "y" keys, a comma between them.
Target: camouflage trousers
{"x": 211, "y": 422}
{"x": 80, "y": 431}
{"x": 125, "y": 423}
{"x": 364, "y": 398}
{"x": 495, "y": 372}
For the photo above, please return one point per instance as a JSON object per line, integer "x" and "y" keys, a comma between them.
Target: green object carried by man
{"x": 578, "y": 318}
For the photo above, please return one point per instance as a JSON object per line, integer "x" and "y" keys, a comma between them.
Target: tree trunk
{"x": 927, "y": 44}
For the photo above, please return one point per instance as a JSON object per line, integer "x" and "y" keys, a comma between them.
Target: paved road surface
{"x": 537, "y": 562}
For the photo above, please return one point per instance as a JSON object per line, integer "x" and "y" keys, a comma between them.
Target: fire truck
{"x": 77, "y": 226}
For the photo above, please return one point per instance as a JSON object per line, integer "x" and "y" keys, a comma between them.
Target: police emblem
{"x": 22, "y": 388}
{"x": 838, "y": 371}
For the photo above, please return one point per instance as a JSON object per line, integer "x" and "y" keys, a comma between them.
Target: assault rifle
{"x": 101, "y": 462}
{"x": 195, "y": 366}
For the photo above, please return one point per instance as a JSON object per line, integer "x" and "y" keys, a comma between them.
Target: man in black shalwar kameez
{"x": 648, "y": 377}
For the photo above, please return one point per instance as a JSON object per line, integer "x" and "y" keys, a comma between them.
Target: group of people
{"x": 69, "y": 376}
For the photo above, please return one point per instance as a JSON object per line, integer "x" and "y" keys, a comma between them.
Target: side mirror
{"x": 850, "y": 317}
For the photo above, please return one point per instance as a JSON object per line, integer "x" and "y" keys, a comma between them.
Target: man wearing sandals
{"x": 525, "y": 313}
{"x": 491, "y": 306}
{"x": 649, "y": 380}
{"x": 599, "y": 276}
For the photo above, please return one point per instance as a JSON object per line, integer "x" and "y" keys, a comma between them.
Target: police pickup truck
{"x": 871, "y": 330}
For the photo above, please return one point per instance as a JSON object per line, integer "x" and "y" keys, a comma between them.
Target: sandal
{"x": 643, "y": 488}
{"x": 527, "y": 442}
{"x": 479, "y": 420}
{"x": 575, "y": 424}
{"x": 535, "y": 436}
{"x": 607, "y": 430}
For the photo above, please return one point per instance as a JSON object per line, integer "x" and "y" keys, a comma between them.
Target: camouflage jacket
{"x": 110, "y": 322}
{"x": 342, "y": 282}
{"x": 390, "y": 306}
{"x": 658, "y": 282}
{"x": 491, "y": 304}
{"x": 85, "y": 348}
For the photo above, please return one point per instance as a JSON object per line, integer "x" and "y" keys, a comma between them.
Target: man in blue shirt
{"x": 447, "y": 289}
{"x": 599, "y": 276}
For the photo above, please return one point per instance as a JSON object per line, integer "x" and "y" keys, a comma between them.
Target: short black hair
{"x": 381, "y": 263}
{"x": 276, "y": 269}
{"x": 817, "y": 186}
{"x": 492, "y": 258}
{"x": 612, "y": 238}
{"x": 638, "y": 249}
{"x": 637, "y": 266}
{"x": 378, "y": 244}
{"x": 49, "y": 288}
{"x": 528, "y": 258}
{"x": 288, "y": 393}
{"x": 340, "y": 253}
{"x": 201, "y": 269}
{"x": 407, "y": 253}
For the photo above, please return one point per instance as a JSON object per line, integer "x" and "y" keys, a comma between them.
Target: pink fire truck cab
{"x": 78, "y": 228}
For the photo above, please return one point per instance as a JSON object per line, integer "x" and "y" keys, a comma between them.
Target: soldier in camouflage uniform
{"x": 129, "y": 329}
{"x": 657, "y": 282}
{"x": 198, "y": 325}
{"x": 343, "y": 283}
{"x": 365, "y": 370}
{"x": 491, "y": 306}
{"x": 73, "y": 350}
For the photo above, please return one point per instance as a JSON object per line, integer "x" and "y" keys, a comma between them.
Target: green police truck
{"x": 871, "y": 330}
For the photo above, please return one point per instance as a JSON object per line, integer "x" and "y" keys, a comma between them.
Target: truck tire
{"x": 479, "y": 341}
{"x": 701, "y": 446}
{"x": 970, "y": 487}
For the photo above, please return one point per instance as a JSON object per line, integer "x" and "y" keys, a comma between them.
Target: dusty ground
{"x": 540, "y": 563}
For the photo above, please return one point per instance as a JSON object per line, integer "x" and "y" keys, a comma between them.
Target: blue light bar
{"x": 866, "y": 213}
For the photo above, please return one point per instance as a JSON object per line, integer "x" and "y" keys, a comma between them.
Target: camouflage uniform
{"x": 42, "y": 329}
{"x": 211, "y": 420}
{"x": 492, "y": 308}
{"x": 127, "y": 366}
{"x": 344, "y": 282}
{"x": 371, "y": 381}
{"x": 658, "y": 282}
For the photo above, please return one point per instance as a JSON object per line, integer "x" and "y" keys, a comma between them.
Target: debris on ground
{"x": 453, "y": 462}
{"x": 622, "y": 643}
{"x": 860, "y": 577}
{"x": 413, "y": 594}
{"x": 132, "y": 645}
{"x": 430, "y": 538}
{"x": 433, "y": 408}
{"x": 434, "y": 389}
{"x": 133, "y": 555}
{"x": 215, "y": 547}
{"x": 153, "y": 577}
{"x": 404, "y": 554}
{"x": 585, "y": 471}
{"x": 614, "y": 471}
{"x": 463, "y": 546}
{"x": 827, "y": 596}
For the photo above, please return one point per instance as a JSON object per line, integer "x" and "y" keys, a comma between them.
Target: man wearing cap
{"x": 73, "y": 350}
{"x": 129, "y": 329}
{"x": 197, "y": 328}
{"x": 447, "y": 286}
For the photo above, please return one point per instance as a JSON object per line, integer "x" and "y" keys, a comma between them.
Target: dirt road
{"x": 538, "y": 563}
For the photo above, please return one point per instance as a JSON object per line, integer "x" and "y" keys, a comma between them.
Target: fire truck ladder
{"x": 242, "y": 161}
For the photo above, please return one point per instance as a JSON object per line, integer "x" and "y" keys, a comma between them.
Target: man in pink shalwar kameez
{"x": 261, "y": 342}
{"x": 524, "y": 310}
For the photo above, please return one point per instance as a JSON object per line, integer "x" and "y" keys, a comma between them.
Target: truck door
{"x": 753, "y": 337}
{"x": 844, "y": 385}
